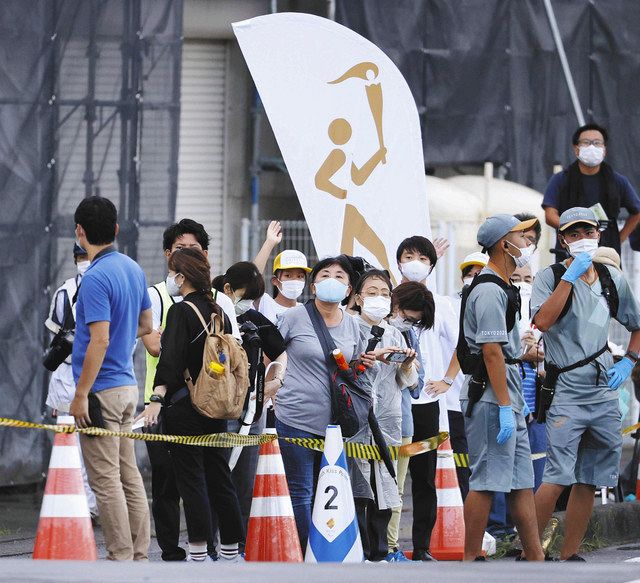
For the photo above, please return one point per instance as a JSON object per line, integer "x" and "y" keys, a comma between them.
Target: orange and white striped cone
{"x": 638, "y": 481}
{"x": 447, "y": 538}
{"x": 272, "y": 534}
{"x": 64, "y": 529}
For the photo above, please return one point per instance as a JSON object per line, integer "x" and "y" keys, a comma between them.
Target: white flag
{"x": 348, "y": 129}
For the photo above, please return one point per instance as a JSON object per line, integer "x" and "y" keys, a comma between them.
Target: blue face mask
{"x": 331, "y": 290}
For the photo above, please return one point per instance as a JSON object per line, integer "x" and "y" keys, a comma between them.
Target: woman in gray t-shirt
{"x": 303, "y": 407}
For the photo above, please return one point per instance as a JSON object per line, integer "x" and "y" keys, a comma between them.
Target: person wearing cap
{"x": 290, "y": 271}
{"x": 589, "y": 181}
{"x": 62, "y": 387}
{"x": 499, "y": 453}
{"x": 586, "y": 389}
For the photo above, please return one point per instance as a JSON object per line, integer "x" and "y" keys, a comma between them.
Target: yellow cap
{"x": 476, "y": 258}
{"x": 291, "y": 259}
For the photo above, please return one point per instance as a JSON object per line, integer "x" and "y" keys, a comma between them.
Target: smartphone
{"x": 396, "y": 357}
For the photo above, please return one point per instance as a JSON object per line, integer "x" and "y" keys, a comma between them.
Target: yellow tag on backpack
{"x": 221, "y": 387}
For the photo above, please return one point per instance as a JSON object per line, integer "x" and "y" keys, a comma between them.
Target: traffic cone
{"x": 272, "y": 534}
{"x": 447, "y": 538}
{"x": 64, "y": 529}
{"x": 333, "y": 533}
{"x": 638, "y": 482}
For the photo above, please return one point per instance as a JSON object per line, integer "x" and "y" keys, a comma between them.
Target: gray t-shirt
{"x": 304, "y": 400}
{"x": 485, "y": 321}
{"x": 581, "y": 332}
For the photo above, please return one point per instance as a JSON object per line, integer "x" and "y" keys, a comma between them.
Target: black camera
{"x": 250, "y": 336}
{"x": 59, "y": 349}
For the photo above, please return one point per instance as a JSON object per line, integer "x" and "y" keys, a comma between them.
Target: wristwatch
{"x": 447, "y": 381}
{"x": 156, "y": 399}
{"x": 633, "y": 356}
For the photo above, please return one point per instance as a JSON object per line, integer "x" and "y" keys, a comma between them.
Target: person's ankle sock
{"x": 229, "y": 552}
{"x": 198, "y": 552}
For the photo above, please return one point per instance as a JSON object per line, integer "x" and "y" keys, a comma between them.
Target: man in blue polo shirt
{"x": 112, "y": 310}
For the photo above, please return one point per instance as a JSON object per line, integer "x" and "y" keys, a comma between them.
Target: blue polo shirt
{"x": 114, "y": 290}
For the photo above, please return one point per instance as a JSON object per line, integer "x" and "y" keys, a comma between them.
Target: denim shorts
{"x": 584, "y": 444}
{"x": 497, "y": 468}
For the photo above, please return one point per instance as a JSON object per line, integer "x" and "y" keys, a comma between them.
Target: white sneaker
{"x": 207, "y": 559}
{"x": 235, "y": 559}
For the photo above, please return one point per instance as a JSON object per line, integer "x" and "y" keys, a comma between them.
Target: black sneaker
{"x": 577, "y": 558}
{"x": 483, "y": 559}
{"x": 521, "y": 558}
{"x": 422, "y": 555}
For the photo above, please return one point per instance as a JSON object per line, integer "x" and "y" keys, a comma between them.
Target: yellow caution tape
{"x": 352, "y": 449}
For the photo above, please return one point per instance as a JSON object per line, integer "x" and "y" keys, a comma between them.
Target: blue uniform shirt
{"x": 114, "y": 290}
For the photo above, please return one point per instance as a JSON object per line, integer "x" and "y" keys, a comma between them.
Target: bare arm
{"x": 549, "y": 312}
{"x": 634, "y": 342}
{"x": 93, "y": 359}
{"x": 629, "y": 226}
{"x": 151, "y": 342}
{"x": 273, "y": 238}
{"x": 497, "y": 370}
{"x": 552, "y": 217}
{"x": 145, "y": 323}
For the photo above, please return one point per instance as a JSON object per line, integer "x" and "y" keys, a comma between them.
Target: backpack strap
{"x": 467, "y": 360}
{"x": 214, "y": 319}
{"x": 609, "y": 289}
{"x": 559, "y": 270}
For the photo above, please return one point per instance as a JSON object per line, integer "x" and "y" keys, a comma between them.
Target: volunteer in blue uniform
{"x": 499, "y": 453}
{"x": 583, "y": 420}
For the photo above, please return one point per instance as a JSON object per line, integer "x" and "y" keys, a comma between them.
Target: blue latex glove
{"x": 619, "y": 372}
{"x": 578, "y": 266}
{"x": 507, "y": 424}
{"x": 525, "y": 410}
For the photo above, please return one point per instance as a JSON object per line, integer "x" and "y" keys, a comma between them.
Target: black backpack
{"x": 468, "y": 361}
{"x": 609, "y": 289}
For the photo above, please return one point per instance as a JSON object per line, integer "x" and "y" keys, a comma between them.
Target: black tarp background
{"x": 488, "y": 81}
{"x": 89, "y": 104}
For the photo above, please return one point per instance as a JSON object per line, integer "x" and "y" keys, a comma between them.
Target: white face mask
{"x": 589, "y": 246}
{"x": 376, "y": 308}
{"x": 525, "y": 255}
{"x": 591, "y": 155}
{"x": 415, "y": 270}
{"x": 292, "y": 288}
{"x": 467, "y": 281}
{"x": 525, "y": 288}
{"x": 173, "y": 289}
{"x": 243, "y": 306}
{"x": 399, "y": 324}
{"x": 82, "y": 266}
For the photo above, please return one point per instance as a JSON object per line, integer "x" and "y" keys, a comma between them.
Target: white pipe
{"x": 555, "y": 31}
{"x": 245, "y": 231}
{"x": 488, "y": 177}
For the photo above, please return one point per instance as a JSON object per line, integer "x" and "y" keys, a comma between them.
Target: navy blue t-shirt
{"x": 114, "y": 290}
{"x": 592, "y": 189}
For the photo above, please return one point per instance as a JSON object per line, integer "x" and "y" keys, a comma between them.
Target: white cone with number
{"x": 333, "y": 533}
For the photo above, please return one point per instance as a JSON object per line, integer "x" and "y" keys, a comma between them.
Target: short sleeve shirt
{"x": 581, "y": 332}
{"x": 114, "y": 290}
{"x": 485, "y": 322}
{"x": 304, "y": 400}
{"x": 592, "y": 189}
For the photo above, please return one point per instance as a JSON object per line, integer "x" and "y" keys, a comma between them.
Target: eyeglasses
{"x": 596, "y": 143}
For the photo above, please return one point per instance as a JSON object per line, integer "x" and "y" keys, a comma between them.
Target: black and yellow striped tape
{"x": 352, "y": 449}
